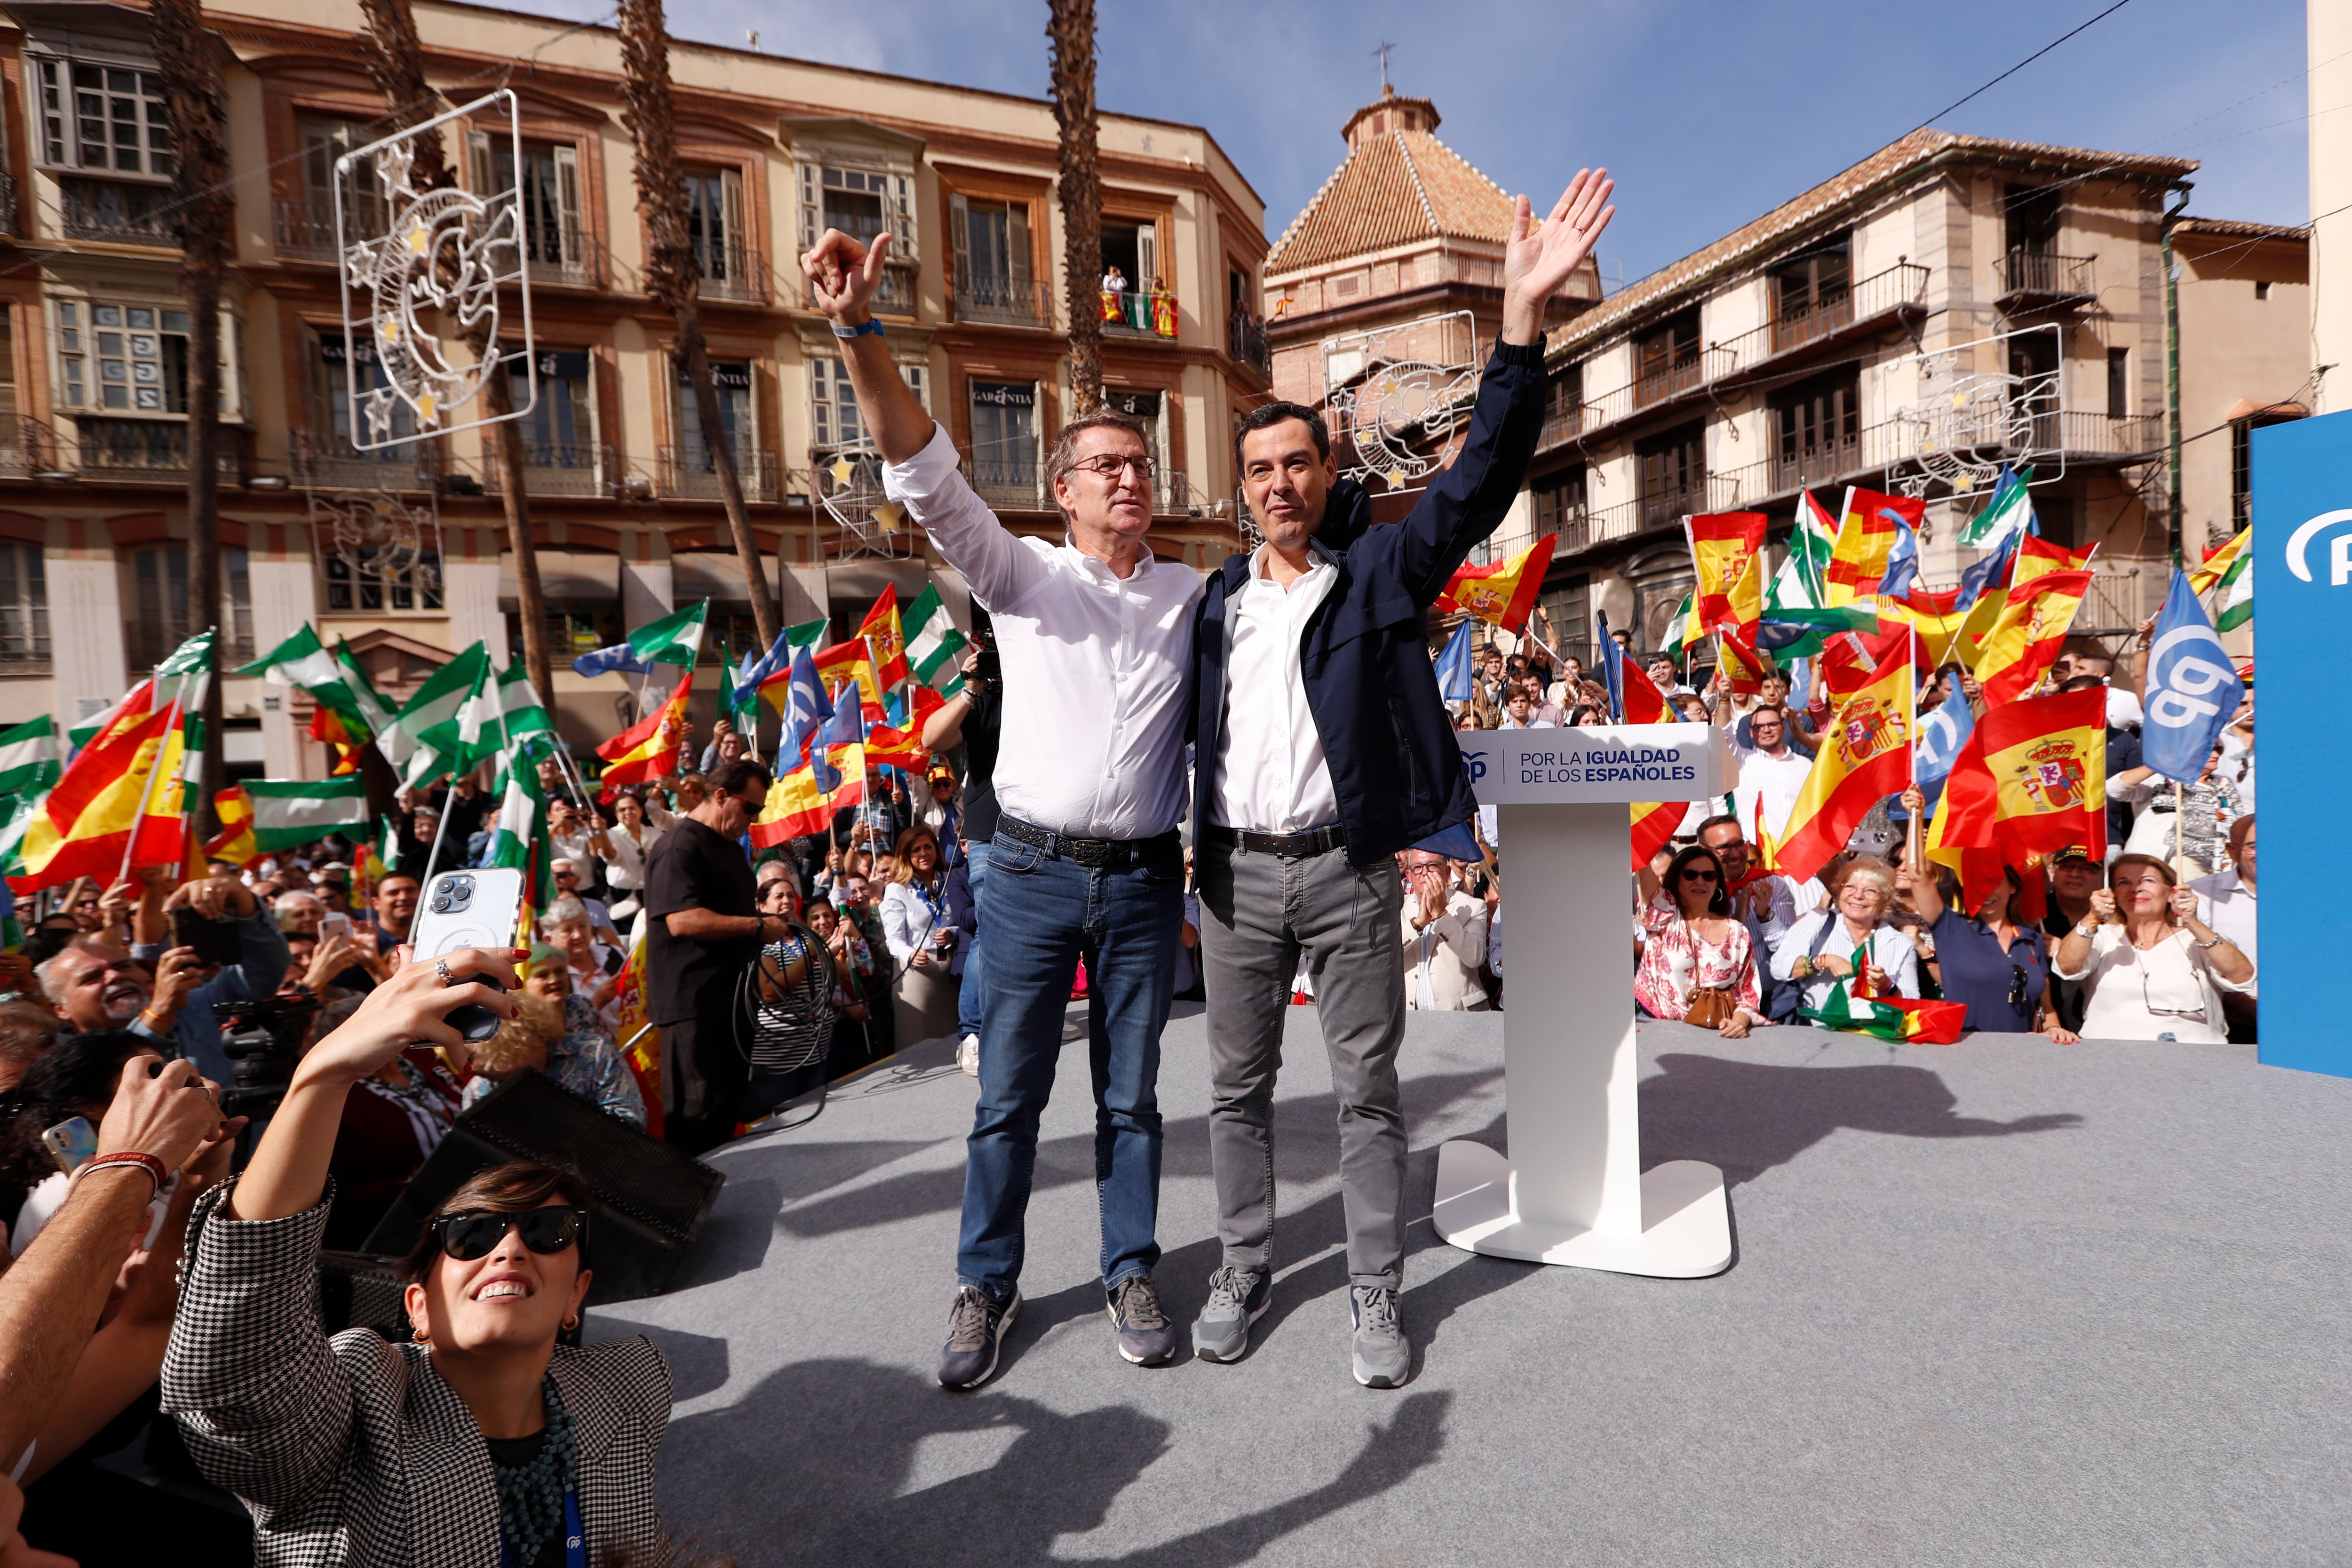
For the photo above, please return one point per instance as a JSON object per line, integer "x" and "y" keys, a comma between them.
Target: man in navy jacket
{"x": 1323, "y": 749}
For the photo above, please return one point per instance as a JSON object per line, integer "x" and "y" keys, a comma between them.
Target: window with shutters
{"x": 862, "y": 201}
{"x": 718, "y": 230}
{"x": 1560, "y": 508}
{"x": 556, "y": 245}
{"x": 24, "y": 607}
{"x": 1136, "y": 294}
{"x": 1004, "y": 441}
{"x": 1817, "y": 430}
{"x": 159, "y": 601}
{"x": 1673, "y": 474}
{"x": 342, "y": 368}
{"x": 306, "y": 225}
{"x": 103, "y": 116}
{"x": 559, "y": 431}
{"x": 994, "y": 269}
{"x": 835, "y": 423}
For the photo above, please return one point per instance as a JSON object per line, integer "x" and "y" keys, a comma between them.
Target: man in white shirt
{"x": 2225, "y": 901}
{"x": 1520, "y": 713}
{"x": 1095, "y": 640}
{"x": 1324, "y": 749}
{"x": 1770, "y": 767}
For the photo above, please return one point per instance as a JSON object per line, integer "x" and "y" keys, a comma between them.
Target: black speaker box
{"x": 649, "y": 1199}
{"x": 360, "y": 1291}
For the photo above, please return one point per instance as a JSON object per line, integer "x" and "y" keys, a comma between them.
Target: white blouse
{"x": 2170, "y": 989}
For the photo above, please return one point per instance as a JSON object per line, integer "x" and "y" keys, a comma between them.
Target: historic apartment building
{"x": 403, "y": 550}
{"x": 1950, "y": 301}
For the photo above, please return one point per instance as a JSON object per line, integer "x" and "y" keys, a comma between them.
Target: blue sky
{"x": 1709, "y": 113}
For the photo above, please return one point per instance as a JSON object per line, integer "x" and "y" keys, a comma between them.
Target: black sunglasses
{"x": 1693, "y": 874}
{"x": 477, "y": 1233}
{"x": 2017, "y": 981}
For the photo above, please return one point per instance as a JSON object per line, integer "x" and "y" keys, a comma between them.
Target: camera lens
{"x": 440, "y": 905}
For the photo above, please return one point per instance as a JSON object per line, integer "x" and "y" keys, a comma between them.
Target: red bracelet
{"x": 150, "y": 1163}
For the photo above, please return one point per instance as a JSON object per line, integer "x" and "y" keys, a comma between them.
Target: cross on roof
{"x": 1382, "y": 54}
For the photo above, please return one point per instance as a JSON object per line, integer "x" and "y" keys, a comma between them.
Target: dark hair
{"x": 77, "y": 1070}
{"x": 1063, "y": 456}
{"x": 1724, "y": 819}
{"x": 1274, "y": 413}
{"x": 728, "y": 778}
{"x": 2082, "y": 682}
{"x": 502, "y": 1189}
{"x": 1772, "y": 707}
{"x": 1721, "y": 904}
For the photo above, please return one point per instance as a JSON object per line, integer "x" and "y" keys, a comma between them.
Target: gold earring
{"x": 570, "y": 1323}
{"x": 420, "y": 1333}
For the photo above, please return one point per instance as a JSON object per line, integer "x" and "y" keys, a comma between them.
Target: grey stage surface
{"x": 2001, "y": 1303}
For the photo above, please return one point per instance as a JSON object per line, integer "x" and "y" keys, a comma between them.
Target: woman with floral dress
{"x": 1694, "y": 951}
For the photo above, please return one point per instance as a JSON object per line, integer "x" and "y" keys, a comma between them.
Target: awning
{"x": 568, "y": 579}
{"x": 862, "y": 582}
{"x": 715, "y": 576}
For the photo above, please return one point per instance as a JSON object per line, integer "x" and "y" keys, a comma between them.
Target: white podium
{"x": 1572, "y": 1190}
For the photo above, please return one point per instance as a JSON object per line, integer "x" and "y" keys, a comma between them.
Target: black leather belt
{"x": 1166, "y": 848}
{"x": 1292, "y": 846}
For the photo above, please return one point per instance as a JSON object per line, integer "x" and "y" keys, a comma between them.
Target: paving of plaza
{"x": 2001, "y": 1303}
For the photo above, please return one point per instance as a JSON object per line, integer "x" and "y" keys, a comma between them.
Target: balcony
{"x": 1562, "y": 426}
{"x": 688, "y": 473}
{"x": 329, "y": 462}
{"x": 1245, "y": 343}
{"x": 561, "y": 468}
{"x": 302, "y": 232}
{"x": 731, "y": 273}
{"x": 1899, "y": 289}
{"x": 995, "y": 299}
{"x": 118, "y": 214}
{"x": 2113, "y": 437}
{"x": 2039, "y": 281}
{"x": 149, "y": 449}
{"x": 571, "y": 260}
{"x": 1685, "y": 371}
{"x": 1008, "y": 484}
{"x": 1140, "y": 313}
{"x": 9, "y": 205}
{"x": 27, "y": 448}
{"x": 2118, "y": 599}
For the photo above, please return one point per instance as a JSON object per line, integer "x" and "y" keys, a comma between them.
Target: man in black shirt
{"x": 705, "y": 931}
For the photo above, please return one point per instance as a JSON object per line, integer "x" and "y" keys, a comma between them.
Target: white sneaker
{"x": 967, "y": 1055}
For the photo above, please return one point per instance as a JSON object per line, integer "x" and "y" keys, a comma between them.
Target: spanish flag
{"x": 2026, "y": 637}
{"x": 1894, "y": 1018}
{"x": 2036, "y": 555}
{"x": 1866, "y": 538}
{"x": 2032, "y": 779}
{"x": 1723, "y": 547}
{"x": 648, "y": 749}
{"x": 795, "y": 808}
{"x": 1743, "y": 664}
{"x": 1654, "y": 820}
{"x": 2217, "y": 565}
{"x": 848, "y": 661}
{"x": 1503, "y": 595}
{"x": 886, "y": 641}
{"x": 103, "y": 799}
{"x": 1865, "y": 756}
{"x": 234, "y": 842}
{"x": 886, "y": 747}
{"x": 1937, "y": 616}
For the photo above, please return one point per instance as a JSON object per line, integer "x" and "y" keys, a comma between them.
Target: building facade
{"x": 1949, "y": 304}
{"x": 402, "y": 550}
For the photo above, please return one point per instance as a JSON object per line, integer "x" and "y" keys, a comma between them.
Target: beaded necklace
{"x": 530, "y": 1497}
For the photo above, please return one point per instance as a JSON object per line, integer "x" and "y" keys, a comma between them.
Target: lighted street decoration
{"x": 438, "y": 266}
{"x": 1960, "y": 425}
{"x": 848, "y": 485}
{"x": 378, "y": 539}
{"x": 1396, "y": 394}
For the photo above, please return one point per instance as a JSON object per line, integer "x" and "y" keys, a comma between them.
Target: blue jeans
{"x": 1042, "y": 914}
{"x": 971, "y": 1006}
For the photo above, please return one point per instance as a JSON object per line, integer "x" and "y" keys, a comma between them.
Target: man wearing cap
{"x": 2073, "y": 878}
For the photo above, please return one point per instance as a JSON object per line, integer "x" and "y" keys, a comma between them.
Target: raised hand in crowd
{"x": 333, "y": 954}
{"x": 178, "y": 972}
{"x": 214, "y": 897}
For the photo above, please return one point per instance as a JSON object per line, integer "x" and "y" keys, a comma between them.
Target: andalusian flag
{"x": 1898, "y": 1018}
{"x": 1503, "y": 595}
{"x": 886, "y": 640}
{"x": 2024, "y": 641}
{"x": 374, "y": 712}
{"x": 118, "y": 794}
{"x": 2232, "y": 568}
{"x": 2031, "y": 779}
{"x": 1796, "y": 622}
{"x": 426, "y": 740}
{"x": 674, "y": 639}
{"x": 350, "y": 712}
{"x": 647, "y": 750}
{"x": 234, "y": 842}
{"x": 2005, "y": 516}
{"x": 519, "y": 708}
{"x": 1867, "y": 538}
{"x": 796, "y": 808}
{"x": 16, "y": 813}
{"x": 288, "y": 812}
{"x": 1865, "y": 756}
{"x": 29, "y": 762}
{"x": 522, "y": 816}
{"x": 1723, "y": 547}
{"x": 932, "y": 640}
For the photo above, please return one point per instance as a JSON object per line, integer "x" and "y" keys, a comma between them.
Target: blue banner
{"x": 2302, "y": 582}
{"x": 2192, "y": 690}
{"x": 1454, "y": 665}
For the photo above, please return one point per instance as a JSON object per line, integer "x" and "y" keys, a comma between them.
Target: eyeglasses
{"x": 477, "y": 1233}
{"x": 1110, "y": 465}
{"x": 2017, "y": 985}
{"x": 1695, "y": 874}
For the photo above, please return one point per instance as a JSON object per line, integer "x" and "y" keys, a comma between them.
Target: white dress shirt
{"x": 1779, "y": 780}
{"x": 1096, "y": 667}
{"x": 1271, "y": 774}
{"x": 2226, "y": 905}
{"x": 1890, "y": 949}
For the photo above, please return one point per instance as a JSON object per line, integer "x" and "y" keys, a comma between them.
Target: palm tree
{"x": 672, "y": 275}
{"x": 395, "y": 58}
{"x": 202, "y": 208}
{"x": 1071, "y": 30}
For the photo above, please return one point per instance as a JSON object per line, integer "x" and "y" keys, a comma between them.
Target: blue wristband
{"x": 868, "y": 326}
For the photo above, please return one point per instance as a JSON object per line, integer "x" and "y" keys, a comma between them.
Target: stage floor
{"x": 1999, "y": 1302}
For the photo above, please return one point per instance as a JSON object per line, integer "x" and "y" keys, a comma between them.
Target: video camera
{"x": 261, "y": 1037}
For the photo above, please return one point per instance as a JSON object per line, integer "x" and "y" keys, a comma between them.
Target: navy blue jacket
{"x": 1365, "y": 652}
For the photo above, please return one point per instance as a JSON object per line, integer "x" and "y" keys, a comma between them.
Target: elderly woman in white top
{"x": 915, "y": 921}
{"x": 1822, "y": 949}
{"x": 629, "y": 840}
{"x": 2149, "y": 968}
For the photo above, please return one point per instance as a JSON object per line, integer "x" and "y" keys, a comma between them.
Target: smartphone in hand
{"x": 71, "y": 1143}
{"x": 469, "y": 909}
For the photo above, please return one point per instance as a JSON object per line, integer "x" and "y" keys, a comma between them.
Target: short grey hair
{"x": 52, "y": 978}
{"x": 561, "y": 913}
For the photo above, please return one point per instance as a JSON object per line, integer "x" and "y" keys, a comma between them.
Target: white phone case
{"x": 467, "y": 909}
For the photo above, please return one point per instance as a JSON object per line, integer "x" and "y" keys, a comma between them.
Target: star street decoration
{"x": 1962, "y": 425}
{"x": 1397, "y": 393}
{"x": 849, "y": 486}
{"x": 377, "y": 541}
{"x": 431, "y": 283}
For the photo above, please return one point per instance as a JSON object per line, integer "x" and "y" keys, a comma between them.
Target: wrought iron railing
{"x": 570, "y": 258}
{"x": 895, "y": 297}
{"x": 1002, "y": 299}
{"x": 327, "y": 461}
{"x": 109, "y": 448}
{"x": 27, "y": 448}
{"x": 2113, "y": 435}
{"x": 8, "y": 203}
{"x": 1013, "y": 484}
{"x": 732, "y": 271}
{"x": 1141, "y": 312}
{"x": 1899, "y": 287}
{"x": 1682, "y": 371}
{"x": 124, "y": 215}
{"x": 1561, "y": 425}
{"x": 690, "y": 472}
{"x": 1245, "y": 343}
{"x": 558, "y": 468}
{"x": 2044, "y": 274}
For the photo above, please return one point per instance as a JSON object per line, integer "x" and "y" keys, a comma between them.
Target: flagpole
{"x": 147, "y": 789}
{"x": 440, "y": 831}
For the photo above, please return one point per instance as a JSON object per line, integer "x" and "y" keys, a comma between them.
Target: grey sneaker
{"x": 1237, "y": 1298}
{"x": 1383, "y": 1360}
{"x": 976, "y": 1329}
{"x": 1146, "y": 1337}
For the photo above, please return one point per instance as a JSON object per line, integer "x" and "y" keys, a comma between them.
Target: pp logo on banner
{"x": 1475, "y": 765}
{"x": 2185, "y": 667}
{"x": 2339, "y": 549}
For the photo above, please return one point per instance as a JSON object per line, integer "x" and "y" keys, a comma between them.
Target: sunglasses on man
{"x": 475, "y": 1233}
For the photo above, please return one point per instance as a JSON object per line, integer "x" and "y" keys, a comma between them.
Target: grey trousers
{"x": 1259, "y": 914}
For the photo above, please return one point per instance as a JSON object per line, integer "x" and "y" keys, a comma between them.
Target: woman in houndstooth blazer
{"x": 354, "y": 1451}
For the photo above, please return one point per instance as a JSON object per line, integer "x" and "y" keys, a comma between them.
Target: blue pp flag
{"x": 1942, "y": 732}
{"x": 1903, "y": 560}
{"x": 1987, "y": 572}
{"x": 618, "y": 660}
{"x": 1613, "y": 666}
{"x": 806, "y": 707}
{"x": 2192, "y": 690}
{"x": 756, "y": 674}
{"x": 1456, "y": 843}
{"x": 1454, "y": 666}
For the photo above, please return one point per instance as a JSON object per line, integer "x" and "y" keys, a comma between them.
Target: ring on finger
{"x": 441, "y": 968}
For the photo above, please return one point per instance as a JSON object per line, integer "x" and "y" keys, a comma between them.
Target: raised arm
{"x": 1925, "y": 896}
